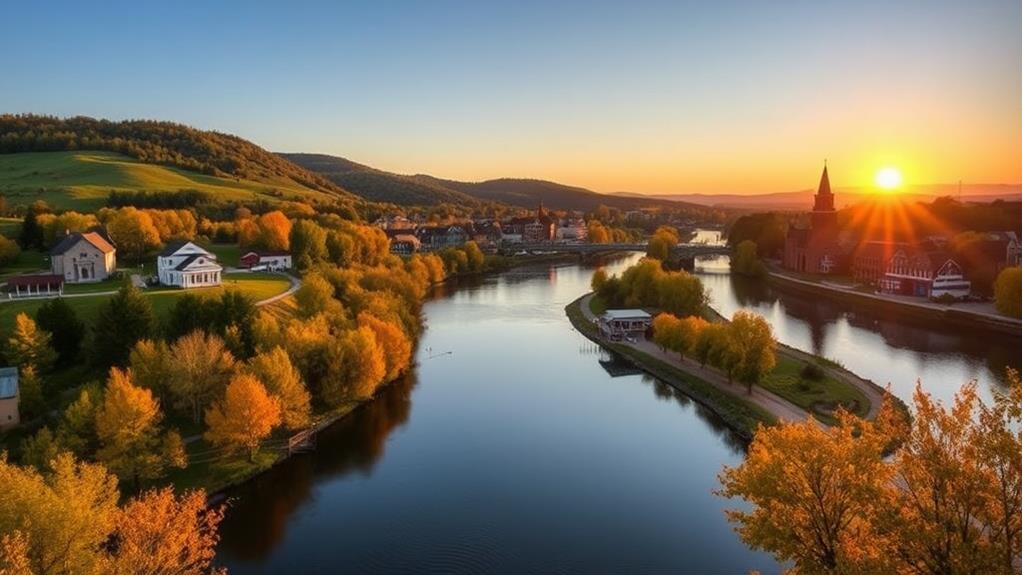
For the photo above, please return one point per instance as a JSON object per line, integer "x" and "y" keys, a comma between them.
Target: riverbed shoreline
{"x": 946, "y": 315}
{"x": 732, "y": 408}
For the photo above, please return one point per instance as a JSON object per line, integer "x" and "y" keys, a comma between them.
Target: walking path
{"x": 781, "y": 408}
{"x": 138, "y": 282}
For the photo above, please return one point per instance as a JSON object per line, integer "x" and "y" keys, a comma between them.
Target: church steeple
{"x": 824, "y": 198}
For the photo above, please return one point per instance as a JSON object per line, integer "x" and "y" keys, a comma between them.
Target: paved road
{"x": 781, "y": 408}
{"x": 295, "y": 284}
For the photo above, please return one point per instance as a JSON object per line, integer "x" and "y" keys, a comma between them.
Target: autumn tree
{"x": 754, "y": 345}
{"x": 14, "y": 554}
{"x": 393, "y": 343}
{"x": 599, "y": 278}
{"x": 1008, "y": 291}
{"x": 65, "y": 515}
{"x": 356, "y": 367}
{"x": 133, "y": 231}
{"x": 243, "y": 418}
{"x": 203, "y": 367}
{"x": 67, "y": 330}
{"x": 474, "y": 256}
{"x": 77, "y": 428}
{"x": 122, "y": 321}
{"x": 661, "y": 243}
{"x": 745, "y": 260}
{"x": 666, "y": 331}
{"x": 152, "y": 366}
{"x": 282, "y": 380}
{"x": 31, "y": 402}
{"x": 816, "y": 494}
{"x": 127, "y": 424}
{"x": 9, "y": 251}
{"x": 316, "y": 295}
{"x": 308, "y": 244}
{"x": 29, "y": 346}
{"x": 161, "y": 534}
{"x": 680, "y": 293}
{"x": 596, "y": 233}
{"x": 274, "y": 231}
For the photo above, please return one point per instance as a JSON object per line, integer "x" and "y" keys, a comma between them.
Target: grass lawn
{"x": 105, "y": 285}
{"x": 28, "y": 261}
{"x": 10, "y": 227}
{"x": 597, "y": 305}
{"x": 227, "y": 254}
{"x": 82, "y": 180}
{"x": 257, "y": 286}
{"x": 817, "y": 397}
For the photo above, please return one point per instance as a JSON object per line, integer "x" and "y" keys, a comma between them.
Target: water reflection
{"x": 881, "y": 346}
{"x": 353, "y": 445}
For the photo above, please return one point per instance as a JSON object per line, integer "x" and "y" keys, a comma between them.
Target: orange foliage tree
{"x": 243, "y": 418}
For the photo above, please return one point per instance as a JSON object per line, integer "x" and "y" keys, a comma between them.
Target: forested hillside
{"x": 380, "y": 186}
{"x": 422, "y": 189}
{"x": 152, "y": 142}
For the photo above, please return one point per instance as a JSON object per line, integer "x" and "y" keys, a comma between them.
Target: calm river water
{"x": 517, "y": 446}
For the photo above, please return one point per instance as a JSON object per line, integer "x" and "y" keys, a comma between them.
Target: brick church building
{"x": 815, "y": 249}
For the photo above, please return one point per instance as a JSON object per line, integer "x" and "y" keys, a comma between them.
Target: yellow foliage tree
{"x": 817, "y": 495}
{"x": 65, "y": 516}
{"x": 274, "y": 231}
{"x": 30, "y": 346}
{"x": 159, "y": 533}
{"x": 393, "y": 343}
{"x": 127, "y": 424}
{"x": 356, "y": 368}
{"x": 274, "y": 370}
{"x": 243, "y": 418}
{"x": 203, "y": 366}
{"x": 1008, "y": 291}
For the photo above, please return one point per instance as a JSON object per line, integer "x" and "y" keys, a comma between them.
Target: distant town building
{"x": 816, "y": 249}
{"x": 573, "y": 230}
{"x": 871, "y": 258}
{"x": 617, "y": 324}
{"x": 394, "y": 222}
{"x": 9, "y": 414}
{"x": 917, "y": 271}
{"x": 272, "y": 261}
{"x": 404, "y": 244}
{"x": 83, "y": 258}
{"x": 187, "y": 265}
{"x": 442, "y": 237}
{"x": 537, "y": 228}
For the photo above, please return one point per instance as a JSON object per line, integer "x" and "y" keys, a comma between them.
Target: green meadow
{"x": 82, "y": 180}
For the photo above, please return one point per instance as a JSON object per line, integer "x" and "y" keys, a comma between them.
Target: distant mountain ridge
{"x": 803, "y": 199}
{"x": 423, "y": 189}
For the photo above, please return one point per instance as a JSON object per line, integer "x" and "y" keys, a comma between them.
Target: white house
{"x": 624, "y": 323}
{"x": 186, "y": 265}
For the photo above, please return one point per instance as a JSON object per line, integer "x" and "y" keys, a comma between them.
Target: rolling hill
{"x": 188, "y": 159}
{"x": 83, "y": 180}
{"x": 422, "y": 189}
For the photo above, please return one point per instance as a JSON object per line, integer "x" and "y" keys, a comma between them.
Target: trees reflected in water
{"x": 260, "y": 510}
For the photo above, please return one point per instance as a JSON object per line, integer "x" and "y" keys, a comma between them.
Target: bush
{"x": 812, "y": 371}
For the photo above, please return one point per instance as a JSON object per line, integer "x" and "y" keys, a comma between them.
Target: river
{"x": 518, "y": 446}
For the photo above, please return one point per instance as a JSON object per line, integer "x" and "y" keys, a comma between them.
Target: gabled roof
{"x": 612, "y": 314}
{"x": 190, "y": 259}
{"x": 175, "y": 246}
{"x": 69, "y": 241}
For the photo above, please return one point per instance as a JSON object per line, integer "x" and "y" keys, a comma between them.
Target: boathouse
{"x": 618, "y": 324}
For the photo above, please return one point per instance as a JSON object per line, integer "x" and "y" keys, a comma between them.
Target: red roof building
{"x": 816, "y": 249}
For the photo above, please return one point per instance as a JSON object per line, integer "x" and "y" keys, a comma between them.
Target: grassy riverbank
{"x": 741, "y": 416}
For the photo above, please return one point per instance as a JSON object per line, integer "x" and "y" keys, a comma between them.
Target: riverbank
{"x": 919, "y": 310}
{"x": 741, "y": 411}
{"x": 740, "y": 414}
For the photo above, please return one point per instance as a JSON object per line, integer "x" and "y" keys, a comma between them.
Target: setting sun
{"x": 888, "y": 179}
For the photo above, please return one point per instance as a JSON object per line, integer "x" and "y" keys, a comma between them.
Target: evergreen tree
{"x": 60, "y": 319}
{"x": 29, "y": 345}
{"x": 123, "y": 320}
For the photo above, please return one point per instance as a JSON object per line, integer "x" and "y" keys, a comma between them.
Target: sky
{"x": 649, "y": 97}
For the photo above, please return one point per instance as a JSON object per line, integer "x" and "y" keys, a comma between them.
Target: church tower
{"x": 824, "y": 217}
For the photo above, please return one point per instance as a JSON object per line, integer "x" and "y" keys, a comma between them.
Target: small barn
{"x": 9, "y": 397}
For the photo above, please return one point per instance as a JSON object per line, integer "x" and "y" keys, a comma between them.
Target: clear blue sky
{"x": 652, "y": 97}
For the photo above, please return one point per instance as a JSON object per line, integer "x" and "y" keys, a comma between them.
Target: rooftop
{"x": 626, "y": 314}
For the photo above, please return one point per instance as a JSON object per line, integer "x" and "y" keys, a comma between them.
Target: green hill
{"x": 190, "y": 158}
{"x": 82, "y": 180}
{"x": 421, "y": 189}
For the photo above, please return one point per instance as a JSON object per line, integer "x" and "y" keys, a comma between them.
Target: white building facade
{"x": 187, "y": 265}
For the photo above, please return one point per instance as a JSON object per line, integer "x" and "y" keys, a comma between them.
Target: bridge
{"x": 680, "y": 251}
